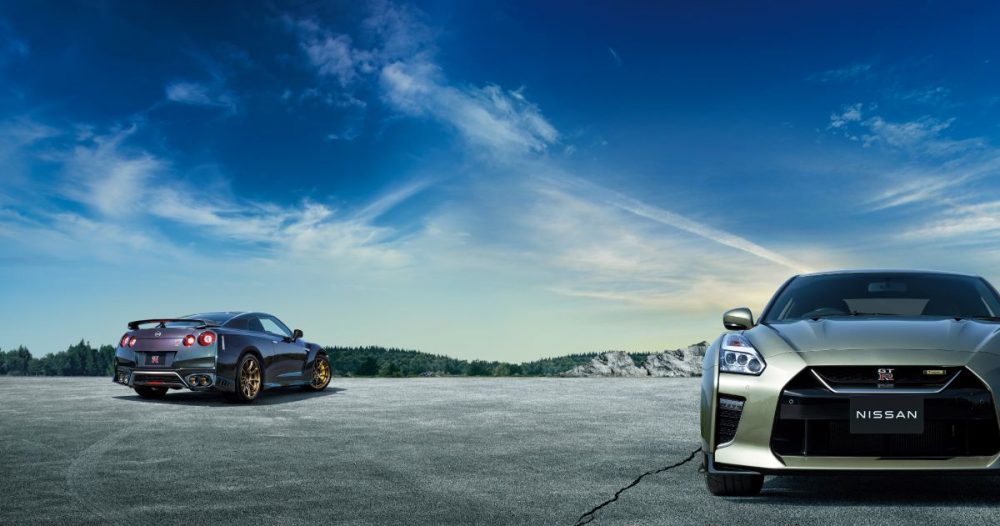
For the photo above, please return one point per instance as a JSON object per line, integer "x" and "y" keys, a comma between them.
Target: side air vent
{"x": 727, "y": 418}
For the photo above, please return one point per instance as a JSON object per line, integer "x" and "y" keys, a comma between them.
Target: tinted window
{"x": 274, "y": 326}
{"x": 238, "y": 323}
{"x": 253, "y": 324}
{"x": 888, "y": 294}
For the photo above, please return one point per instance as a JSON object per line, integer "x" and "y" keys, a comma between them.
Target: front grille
{"x": 727, "y": 419}
{"x": 959, "y": 420}
{"x": 853, "y": 377}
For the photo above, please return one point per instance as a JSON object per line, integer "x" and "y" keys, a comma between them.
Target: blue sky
{"x": 500, "y": 180}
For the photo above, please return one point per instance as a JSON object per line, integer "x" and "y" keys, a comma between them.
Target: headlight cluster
{"x": 738, "y": 356}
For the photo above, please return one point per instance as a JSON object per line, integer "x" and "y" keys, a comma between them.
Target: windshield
{"x": 883, "y": 294}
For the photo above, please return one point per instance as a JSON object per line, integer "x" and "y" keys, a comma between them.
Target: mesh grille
{"x": 730, "y": 408}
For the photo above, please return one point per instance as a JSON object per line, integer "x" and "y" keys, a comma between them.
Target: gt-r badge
{"x": 885, "y": 375}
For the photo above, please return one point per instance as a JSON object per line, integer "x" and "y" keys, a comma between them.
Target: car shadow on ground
{"x": 896, "y": 490}
{"x": 275, "y": 396}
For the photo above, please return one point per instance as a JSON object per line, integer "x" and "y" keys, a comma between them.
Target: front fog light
{"x": 739, "y": 356}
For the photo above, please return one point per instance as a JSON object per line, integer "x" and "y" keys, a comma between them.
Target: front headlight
{"x": 738, "y": 356}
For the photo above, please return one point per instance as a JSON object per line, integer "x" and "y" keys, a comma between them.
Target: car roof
{"x": 888, "y": 271}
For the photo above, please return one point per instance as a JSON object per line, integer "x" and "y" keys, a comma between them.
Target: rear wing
{"x": 133, "y": 325}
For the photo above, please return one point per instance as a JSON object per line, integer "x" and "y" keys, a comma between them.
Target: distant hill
{"x": 82, "y": 359}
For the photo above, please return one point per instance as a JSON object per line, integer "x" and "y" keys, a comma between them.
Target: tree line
{"x": 78, "y": 360}
{"x": 380, "y": 361}
{"x": 82, "y": 359}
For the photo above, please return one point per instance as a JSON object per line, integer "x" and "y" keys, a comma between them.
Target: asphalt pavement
{"x": 432, "y": 451}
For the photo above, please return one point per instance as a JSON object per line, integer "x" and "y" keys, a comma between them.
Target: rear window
{"x": 884, "y": 294}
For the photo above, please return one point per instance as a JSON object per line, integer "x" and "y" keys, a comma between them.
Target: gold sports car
{"x": 855, "y": 371}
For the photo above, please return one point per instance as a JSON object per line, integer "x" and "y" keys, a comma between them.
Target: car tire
{"x": 151, "y": 392}
{"x": 321, "y": 375}
{"x": 249, "y": 380}
{"x": 734, "y": 485}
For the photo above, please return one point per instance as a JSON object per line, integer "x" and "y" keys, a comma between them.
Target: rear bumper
{"x": 169, "y": 378}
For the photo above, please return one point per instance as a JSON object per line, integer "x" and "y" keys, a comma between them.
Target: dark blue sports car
{"x": 237, "y": 353}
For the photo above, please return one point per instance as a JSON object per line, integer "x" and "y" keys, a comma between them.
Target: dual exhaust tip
{"x": 122, "y": 377}
{"x": 199, "y": 380}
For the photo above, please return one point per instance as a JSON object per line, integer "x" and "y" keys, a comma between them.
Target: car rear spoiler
{"x": 133, "y": 325}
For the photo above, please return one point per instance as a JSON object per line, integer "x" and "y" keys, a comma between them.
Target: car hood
{"x": 883, "y": 333}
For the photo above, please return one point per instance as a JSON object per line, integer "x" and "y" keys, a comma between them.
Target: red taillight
{"x": 124, "y": 341}
{"x": 131, "y": 342}
{"x": 188, "y": 340}
{"x": 206, "y": 338}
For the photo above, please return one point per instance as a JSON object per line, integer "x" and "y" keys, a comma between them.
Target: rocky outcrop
{"x": 666, "y": 364}
{"x": 611, "y": 363}
{"x": 676, "y": 363}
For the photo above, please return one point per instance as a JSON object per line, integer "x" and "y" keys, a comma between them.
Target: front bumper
{"x": 752, "y": 447}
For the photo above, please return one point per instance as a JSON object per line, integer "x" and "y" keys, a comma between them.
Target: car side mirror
{"x": 738, "y": 319}
{"x": 296, "y": 334}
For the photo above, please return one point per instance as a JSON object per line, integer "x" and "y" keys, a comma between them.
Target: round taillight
{"x": 206, "y": 338}
{"x": 131, "y": 342}
{"x": 188, "y": 340}
{"x": 124, "y": 341}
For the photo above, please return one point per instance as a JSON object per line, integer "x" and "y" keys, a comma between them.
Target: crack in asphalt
{"x": 586, "y": 518}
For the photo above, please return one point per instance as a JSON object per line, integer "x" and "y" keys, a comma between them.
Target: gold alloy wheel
{"x": 250, "y": 379}
{"x": 321, "y": 374}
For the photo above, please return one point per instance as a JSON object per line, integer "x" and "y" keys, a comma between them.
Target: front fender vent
{"x": 727, "y": 418}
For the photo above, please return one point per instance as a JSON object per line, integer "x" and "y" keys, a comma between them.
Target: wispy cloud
{"x": 945, "y": 184}
{"x": 400, "y": 59}
{"x": 335, "y": 55}
{"x": 847, "y": 115}
{"x": 199, "y": 94}
{"x": 583, "y": 241}
{"x": 977, "y": 223}
{"x": 672, "y": 219}
{"x": 614, "y": 56}
{"x": 392, "y": 199}
{"x": 490, "y": 116}
{"x": 130, "y": 195}
{"x": 921, "y": 136}
{"x": 934, "y": 95}
{"x": 850, "y": 72}
{"x": 100, "y": 173}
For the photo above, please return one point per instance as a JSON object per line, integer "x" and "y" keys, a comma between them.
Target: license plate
{"x": 887, "y": 414}
{"x": 156, "y": 359}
